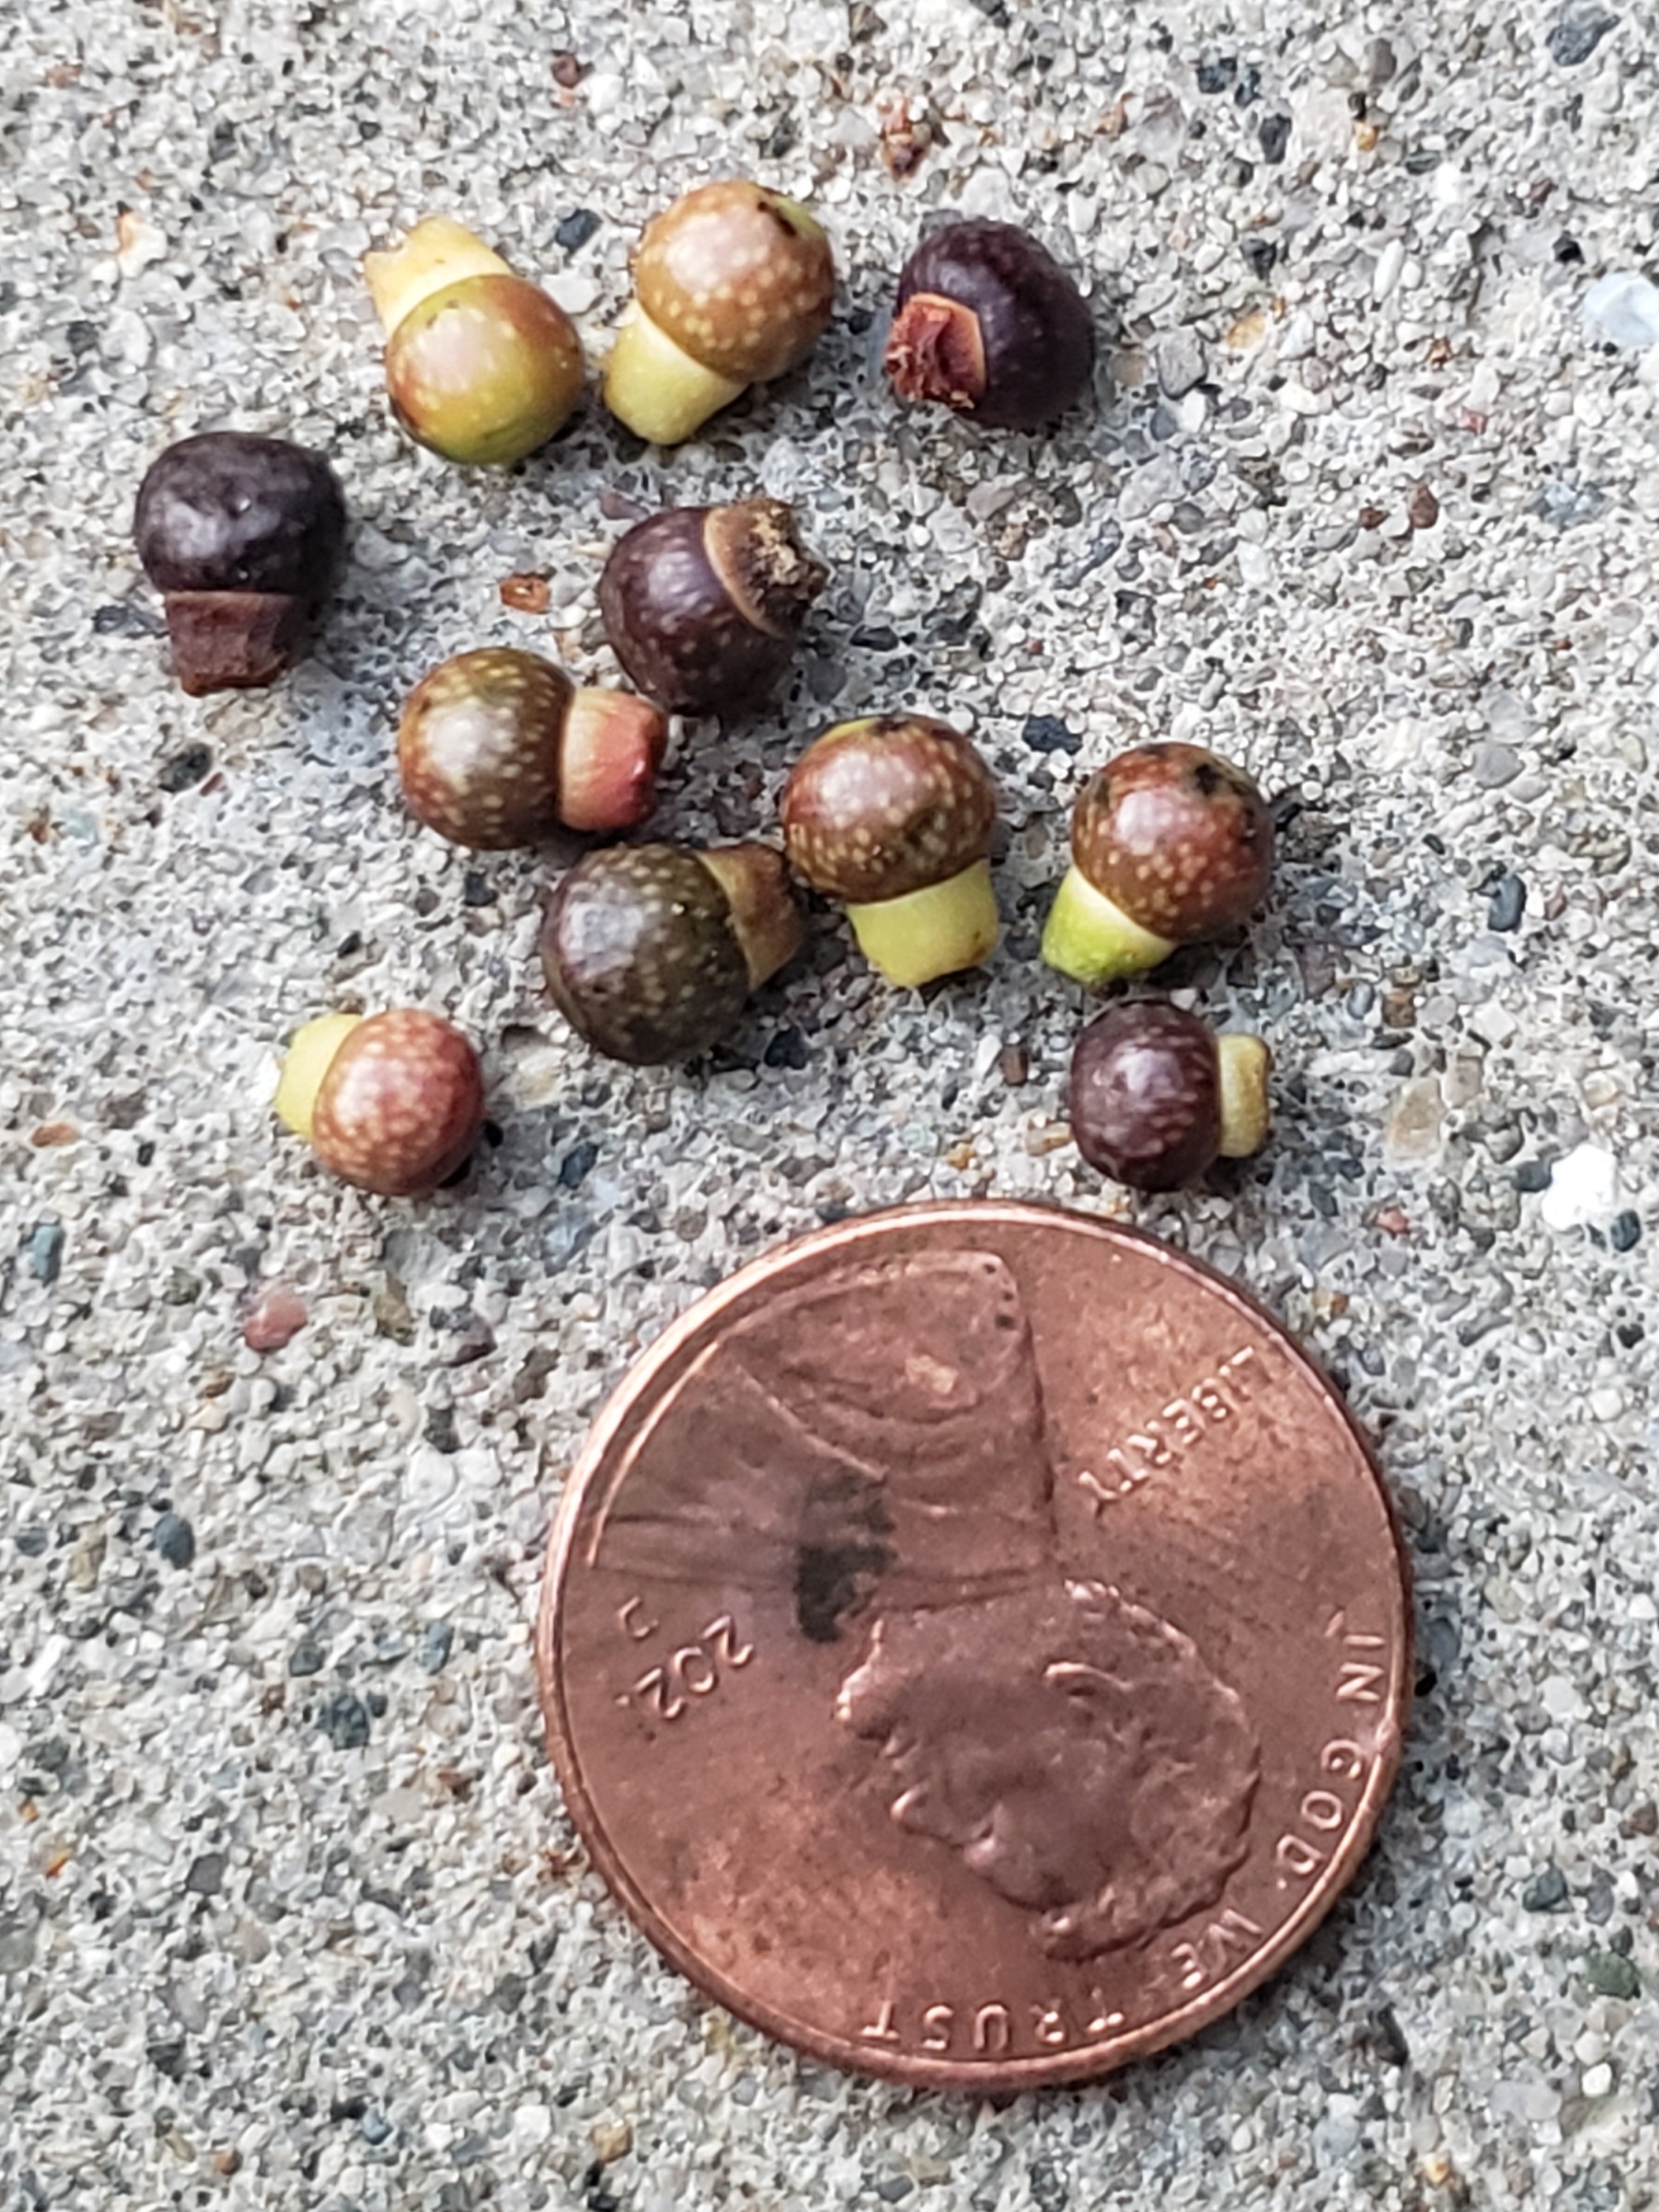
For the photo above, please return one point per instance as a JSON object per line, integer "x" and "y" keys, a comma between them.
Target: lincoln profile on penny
{"x": 881, "y": 1450}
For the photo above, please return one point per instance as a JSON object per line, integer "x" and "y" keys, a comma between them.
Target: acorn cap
{"x": 642, "y": 953}
{"x": 739, "y": 277}
{"x": 989, "y": 323}
{"x": 1144, "y": 1095}
{"x": 478, "y": 747}
{"x": 703, "y": 605}
{"x": 888, "y": 804}
{"x": 1178, "y": 838}
{"x": 228, "y": 511}
{"x": 878, "y": 1432}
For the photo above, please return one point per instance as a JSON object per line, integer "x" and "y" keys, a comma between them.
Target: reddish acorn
{"x": 498, "y": 747}
{"x": 732, "y": 286}
{"x": 1170, "y": 844}
{"x": 481, "y": 365}
{"x": 242, "y": 536}
{"x": 393, "y": 1102}
{"x": 989, "y": 323}
{"x": 703, "y": 605}
{"x": 893, "y": 815}
{"x": 650, "y": 951}
{"x": 1156, "y": 1096}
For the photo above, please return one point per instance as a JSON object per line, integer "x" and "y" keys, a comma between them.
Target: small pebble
{"x": 1626, "y": 1232}
{"x": 1624, "y": 306}
{"x": 1576, "y": 34}
{"x": 577, "y": 1164}
{"x": 1611, "y": 1975}
{"x": 435, "y": 1646}
{"x": 175, "y": 1540}
{"x": 344, "y": 1722}
{"x": 45, "y": 1254}
{"x": 1274, "y": 133}
{"x": 1508, "y": 903}
{"x": 1047, "y": 733}
{"x": 1584, "y": 1189}
{"x": 276, "y": 1318}
{"x": 1545, "y": 1892}
{"x": 571, "y": 232}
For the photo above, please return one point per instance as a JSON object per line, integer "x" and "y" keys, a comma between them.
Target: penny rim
{"x": 602, "y": 1467}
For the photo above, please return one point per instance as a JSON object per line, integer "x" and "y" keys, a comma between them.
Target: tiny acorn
{"x": 893, "y": 815}
{"x": 393, "y": 1102}
{"x": 1156, "y": 1096}
{"x": 703, "y": 605}
{"x": 242, "y": 536}
{"x": 732, "y": 286}
{"x": 988, "y": 324}
{"x": 1170, "y": 844}
{"x": 481, "y": 365}
{"x": 650, "y": 951}
{"x": 498, "y": 748}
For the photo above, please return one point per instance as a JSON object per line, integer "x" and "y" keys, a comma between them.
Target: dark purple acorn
{"x": 703, "y": 605}
{"x": 650, "y": 951}
{"x": 242, "y": 536}
{"x": 1156, "y": 1096}
{"x": 989, "y": 323}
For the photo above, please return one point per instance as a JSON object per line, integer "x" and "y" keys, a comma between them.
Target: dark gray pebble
{"x": 186, "y": 767}
{"x": 1047, "y": 733}
{"x": 344, "y": 1722}
{"x": 1508, "y": 903}
{"x": 306, "y": 1658}
{"x": 1533, "y": 1175}
{"x": 1215, "y": 76}
{"x": 206, "y": 1877}
{"x": 436, "y": 1645}
{"x": 1545, "y": 1892}
{"x": 571, "y": 232}
{"x": 1575, "y": 37}
{"x": 1274, "y": 132}
{"x": 1610, "y": 1975}
{"x": 1626, "y": 1232}
{"x": 577, "y": 1164}
{"x": 175, "y": 1540}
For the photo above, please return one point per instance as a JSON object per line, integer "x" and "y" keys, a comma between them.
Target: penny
{"x": 975, "y": 1645}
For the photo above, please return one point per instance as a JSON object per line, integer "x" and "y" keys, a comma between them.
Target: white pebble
{"x": 1583, "y": 1188}
{"x": 1625, "y": 307}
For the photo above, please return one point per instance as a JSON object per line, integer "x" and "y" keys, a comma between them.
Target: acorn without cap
{"x": 242, "y": 535}
{"x": 1170, "y": 844}
{"x": 990, "y": 325}
{"x": 393, "y": 1102}
{"x": 893, "y": 815}
{"x": 733, "y": 285}
{"x": 481, "y": 365}
{"x": 1156, "y": 1096}
{"x": 650, "y": 951}
{"x": 498, "y": 747}
{"x": 703, "y": 605}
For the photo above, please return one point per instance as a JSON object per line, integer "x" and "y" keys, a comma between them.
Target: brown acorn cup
{"x": 1156, "y": 1096}
{"x": 391, "y": 1102}
{"x": 498, "y": 748}
{"x": 893, "y": 815}
{"x": 703, "y": 605}
{"x": 732, "y": 286}
{"x": 1170, "y": 844}
{"x": 650, "y": 952}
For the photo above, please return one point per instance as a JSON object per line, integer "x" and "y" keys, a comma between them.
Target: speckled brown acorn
{"x": 242, "y": 535}
{"x": 732, "y": 286}
{"x": 393, "y": 1102}
{"x": 1170, "y": 844}
{"x": 498, "y": 747}
{"x": 893, "y": 814}
{"x": 482, "y": 366}
{"x": 989, "y": 323}
{"x": 650, "y": 951}
{"x": 703, "y": 605}
{"x": 1155, "y": 1096}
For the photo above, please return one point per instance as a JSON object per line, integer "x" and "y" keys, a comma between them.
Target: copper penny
{"x": 975, "y": 1645}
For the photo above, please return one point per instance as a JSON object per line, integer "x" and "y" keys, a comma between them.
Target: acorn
{"x": 893, "y": 815}
{"x": 481, "y": 365}
{"x": 1155, "y": 1096}
{"x": 989, "y": 323}
{"x": 1170, "y": 844}
{"x": 498, "y": 748}
{"x": 703, "y": 605}
{"x": 242, "y": 536}
{"x": 393, "y": 1102}
{"x": 732, "y": 286}
{"x": 650, "y": 951}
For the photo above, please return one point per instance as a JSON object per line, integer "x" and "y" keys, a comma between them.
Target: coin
{"x": 975, "y": 1645}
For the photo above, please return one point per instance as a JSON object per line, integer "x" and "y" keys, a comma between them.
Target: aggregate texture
{"x": 290, "y": 1913}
